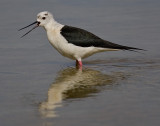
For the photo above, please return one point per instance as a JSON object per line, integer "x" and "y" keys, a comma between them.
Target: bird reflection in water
{"x": 73, "y": 83}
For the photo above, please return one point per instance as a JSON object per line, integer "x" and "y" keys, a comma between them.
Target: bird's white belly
{"x": 69, "y": 50}
{"x": 75, "y": 52}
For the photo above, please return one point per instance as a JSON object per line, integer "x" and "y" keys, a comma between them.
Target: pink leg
{"x": 79, "y": 64}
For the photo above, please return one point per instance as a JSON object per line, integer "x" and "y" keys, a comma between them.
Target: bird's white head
{"x": 44, "y": 18}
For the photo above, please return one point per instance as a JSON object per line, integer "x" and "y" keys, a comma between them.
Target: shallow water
{"x": 41, "y": 88}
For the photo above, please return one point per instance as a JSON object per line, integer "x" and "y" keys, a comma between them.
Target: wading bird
{"x": 72, "y": 42}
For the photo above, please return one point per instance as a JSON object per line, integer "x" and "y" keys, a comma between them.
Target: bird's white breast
{"x": 60, "y": 43}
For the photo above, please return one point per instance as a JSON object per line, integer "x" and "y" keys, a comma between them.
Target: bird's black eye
{"x": 43, "y": 18}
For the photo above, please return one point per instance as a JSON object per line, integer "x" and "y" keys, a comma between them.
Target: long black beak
{"x": 36, "y": 22}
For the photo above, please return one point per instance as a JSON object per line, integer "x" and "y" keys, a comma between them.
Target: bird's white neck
{"x": 52, "y": 25}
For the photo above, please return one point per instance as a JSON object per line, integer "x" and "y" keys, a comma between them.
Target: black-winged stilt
{"x": 72, "y": 42}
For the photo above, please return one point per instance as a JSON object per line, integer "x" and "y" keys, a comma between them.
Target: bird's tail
{"x": 121, "y": 47}
{"x": 131, "y": 48}
{"x": 137, "y": 50}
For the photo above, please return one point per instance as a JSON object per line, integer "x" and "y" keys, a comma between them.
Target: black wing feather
{"x": 83, "y": 38}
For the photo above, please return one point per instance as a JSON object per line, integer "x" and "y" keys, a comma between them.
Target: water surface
{"x": 39, "y": 87}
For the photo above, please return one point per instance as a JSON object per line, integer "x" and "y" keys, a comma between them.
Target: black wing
{"x": 83, "y": 38}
